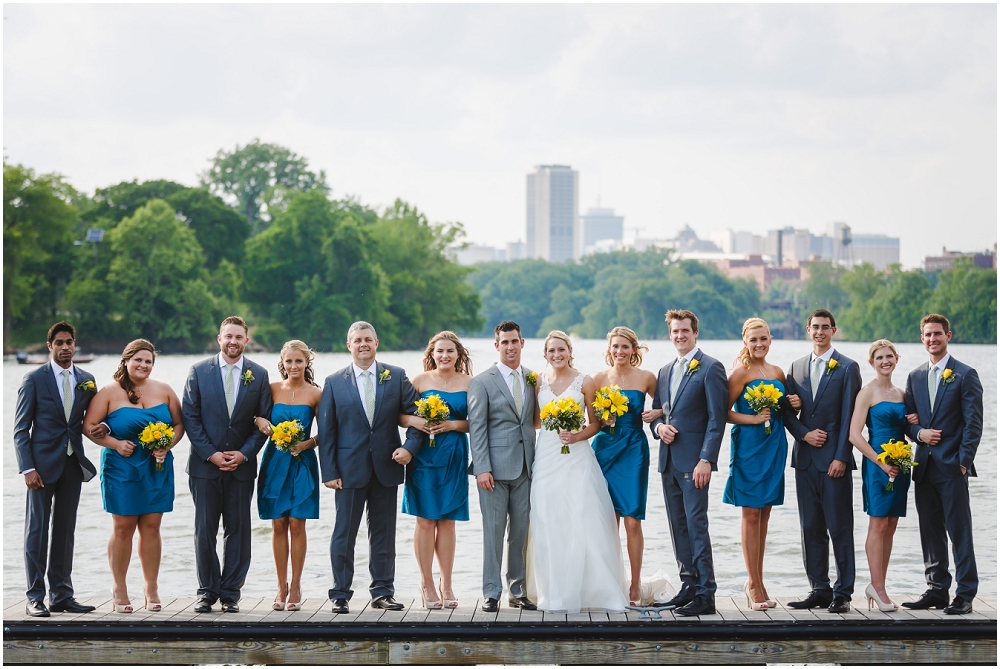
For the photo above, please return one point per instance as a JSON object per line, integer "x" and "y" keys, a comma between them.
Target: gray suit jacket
{"x": 41, "y": 430}
{"x": 958, "y": 413}
{"x": 830, "y": 411}
{"x": 699, "y": 413}
{"x": 501, "y": 443}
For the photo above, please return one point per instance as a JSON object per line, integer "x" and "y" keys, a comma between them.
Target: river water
{"x": 784, "y": 573}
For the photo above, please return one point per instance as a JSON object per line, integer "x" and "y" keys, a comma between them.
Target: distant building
{"x": 515, "y": 251}
{"x": 755, "y": 268}
{"x": 600, "y": 224}
{"x": 741, "y": 242}
{"x": 553, "y": 226}
{"x": 878, "y": 250}
{"x": 945, "y": 261}
{"x": 687, "y": 241}
{"x": 472, "y": 254}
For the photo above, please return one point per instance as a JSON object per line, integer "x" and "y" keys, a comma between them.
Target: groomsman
{"x": 222, "y": 396}
{"x": 48, "y": 426}
{"x": 946, "y": 397}
{"x": 362, "y": 458}
{"x": 823, "y": 386}
{"x": 693, "y": 394}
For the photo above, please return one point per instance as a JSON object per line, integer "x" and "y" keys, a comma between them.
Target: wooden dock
{"x": 466, "y": 635}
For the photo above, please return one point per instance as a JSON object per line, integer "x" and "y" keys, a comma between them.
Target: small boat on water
{"x": 24, "y": 358}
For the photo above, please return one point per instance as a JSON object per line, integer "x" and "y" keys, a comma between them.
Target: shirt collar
{"x": 57, "y": 370}
{"x": 689, "y": 356}
{"x": 507, "y": 371}
{"x": 358, "y": 371}
{"x": 825, "y": 357}
{"x": 941, "y": 364}
{"x": 238, "y": 364}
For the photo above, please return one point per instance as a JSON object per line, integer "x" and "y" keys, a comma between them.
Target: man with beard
{"x": 222, "y": 396}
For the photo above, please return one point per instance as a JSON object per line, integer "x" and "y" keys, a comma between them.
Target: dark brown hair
{"x": 61, "y": 326}
{"x": 234, "y": 320}
{"x": 464, "y": 363}
{"x": 297, "y": 345}
{"x": 821, "y": 313}
{"x": 935, "y": 318}
{"x": 121, "y": 374}
{"x": 507, "y": 326}
{"x": 681, "y": 314}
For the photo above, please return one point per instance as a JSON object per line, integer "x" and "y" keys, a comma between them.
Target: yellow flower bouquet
{"x": 610, "y": 401}
{"x": 434, "y": 410}
{"x": 896, "y": 454}
{"x": 157, "y": 435}
{"x": 763, "y": 396}
{"x": 286, "y": 434}
{"x": 564, "y": 414}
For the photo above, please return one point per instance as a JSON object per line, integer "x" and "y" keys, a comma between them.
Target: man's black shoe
{"x": 521, "y": 603}
{"x": 815, "y": 600}
{"x": 491, "y": 605}
{"x": 958, "y": 607}
{"x": 36, "y": 609}
{"x": 387, "y": 603}
{"x": 682, "y": 598}
{"x": 203, "y": 605}
{"x": 840, "y": 605}
{"x": 931, "y": 599}
{"x": 340, "y": 606}
{"x": 71, "y": 606}
{"x": 230, "y": 606}
{"x": 699, "y": 606}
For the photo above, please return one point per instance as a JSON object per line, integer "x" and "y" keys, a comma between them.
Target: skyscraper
{"x": 598, "y": 224}
{"x": 553, "y": 224}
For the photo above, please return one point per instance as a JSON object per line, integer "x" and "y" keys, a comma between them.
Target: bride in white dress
{"x": 574, "y": 559}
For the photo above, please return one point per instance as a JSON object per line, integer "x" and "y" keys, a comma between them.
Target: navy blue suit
{"x": 41, "y": 433}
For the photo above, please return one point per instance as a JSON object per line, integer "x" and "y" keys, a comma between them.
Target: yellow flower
{"x": 693, "y": 366}
{"x": 831, "y": 365}
{"x": 531, "y": 378}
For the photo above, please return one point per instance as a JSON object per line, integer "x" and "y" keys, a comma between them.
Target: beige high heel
{"x": 151, "y": 606}
{"x": 875, "y": 600}
{"x": 448, "y": 603}
{"x": 433, "y": 604}
{"x": 119, "y": 608}
{"x": 752, "y": 605}
{"x": 295, "y": 606}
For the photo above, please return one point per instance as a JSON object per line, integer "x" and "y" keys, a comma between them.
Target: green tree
{"x": 861, "y": 284}
{"x": 967, "y": 295}
{"x": 823, "y": 289}
{"x": 261, "y": 179}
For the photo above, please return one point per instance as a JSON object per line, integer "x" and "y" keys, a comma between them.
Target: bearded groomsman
{"x": 693, "y": 394}
{"x": 945, "y": 401}
{"x": 823, "y": 386}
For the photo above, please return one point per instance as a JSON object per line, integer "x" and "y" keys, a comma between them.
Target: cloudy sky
{"x": 743, "y": 117}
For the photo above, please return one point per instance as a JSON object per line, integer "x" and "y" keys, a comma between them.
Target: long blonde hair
{"x": 464, "y": 363}
{"x": 637, "y": 349}
{"x": 559, "y": 334}
{"x": 750, "y": 324}
{"x": 297, "y": 345}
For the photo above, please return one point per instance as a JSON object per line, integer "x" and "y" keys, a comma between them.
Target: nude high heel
{"x": 448, "y": 603}
{"x": 279, "y": 605}
{"x": 875, "y": 600}
{"x": 119, "y": 608}
{"x": 433, "y": 604}
{"x": 151, "y": 606}
{"x": 295, "y": 606}
{"x": 752, "y": 605}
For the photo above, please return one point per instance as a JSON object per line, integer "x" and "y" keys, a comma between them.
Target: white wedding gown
{"x": 574, "y": 559}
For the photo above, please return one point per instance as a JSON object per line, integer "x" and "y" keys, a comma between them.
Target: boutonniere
{"x": 693, "y": 367}
{"x": 89, "y": 385}
{"x": 384, "y": 376}
{"x": 247, "y": 377}
{"x": 948, "y": 376}
{"x": 531, "y": 378}
{"x": 831, "y": 366}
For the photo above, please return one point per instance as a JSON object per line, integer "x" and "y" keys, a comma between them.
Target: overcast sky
{"x": 743, "y": 117}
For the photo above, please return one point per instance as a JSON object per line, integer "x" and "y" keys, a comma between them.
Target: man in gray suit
{"x": 502, "y": 441}
{"x": 48, "y": 425}
{"x": 947, "y": 430}
{"x": 222, "y": 397}
{"x": 362, "y": 458}
{"x": 823, "y": 386}
{"x": 693, "y": 394}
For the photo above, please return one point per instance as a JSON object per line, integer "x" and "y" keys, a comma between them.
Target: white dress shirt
{"x": 825, "y": 358}
{"x": 941, "y": 365}
{"x": 57, "y": 370}
{"x": 688, "y": 357}
{"x": 508, "y": 377}
{"x": 237, "y": 373}
{"x": 359, "y": 378}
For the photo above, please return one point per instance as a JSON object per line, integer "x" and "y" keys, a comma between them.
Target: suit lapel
{"x": 379, "y": 391}
{"x": 824, "y": 380}
{"x": 241, "y": 388}
{"x": 353, "y": 382}
{"x": 941, "y": 389}
{"x": 498, "y": 379}
{"x": 684, "y": 381}
{"x": 77, "y": 393}
{"x": 54, "y": 389}
{"x": 215, "y": 371}
{"x": 529, "y": 398}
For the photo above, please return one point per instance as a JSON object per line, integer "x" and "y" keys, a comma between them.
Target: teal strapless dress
{"x": 437, "y": 480}
{"x": 132, "y": 486}
{"x": 289, "y": 486}
{"x": 886, "y": 420}
{"x": 624, "y": 458}
{"x": 757, "y": 460}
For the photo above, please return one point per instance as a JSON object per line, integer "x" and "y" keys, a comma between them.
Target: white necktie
{"x": 230, "y": 390}
{"x": 817, "y": 374}
{"x": 675, "y": 382}
{"x": 369, "y": 397}
{"x": 932, "y": 384}
{"x": 67, "y": 404}
{"x": 518, "y": 398}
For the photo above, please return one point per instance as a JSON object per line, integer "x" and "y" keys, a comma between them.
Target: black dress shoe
{"x": 491, "y": 605}
{"x": 521, "y": 603}
{"x": 230, "y": 606}
{"x": 815, "y": 600}
{"x": 71, "y": 606}
{"x": 203, "y": 605}
{"x": 840, "y": 605}
{"x": 36, "y": 609}
{"x": 387, "y": 603}
{"x": 932, "y": 599}
{"x": 699, "y": 606}
{"x": 958, "y": 607}
{"x": 682, "y": 598}
{"x": 340, "y": 606}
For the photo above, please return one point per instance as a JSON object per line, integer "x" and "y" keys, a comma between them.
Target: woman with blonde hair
{"x": 622, "y": 448}
{"x": 880, "y": 405}
{"x": 437, "y": 481}
{"x": 759, "y": 451}
{"x": 288, "y": 486}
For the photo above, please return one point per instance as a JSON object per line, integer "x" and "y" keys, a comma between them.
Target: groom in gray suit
{"x": 693, "y": 393}
{"x": 502, "y": 441}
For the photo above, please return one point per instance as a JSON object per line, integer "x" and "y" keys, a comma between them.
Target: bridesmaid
{"x": 880, "y": 405}
{"x": 437, "y": 482}
{"x": 135, "y": 493}
{"x": 288, "y": 489}
{"x": 757, "y": 466}
{"x": 624, "y": 455}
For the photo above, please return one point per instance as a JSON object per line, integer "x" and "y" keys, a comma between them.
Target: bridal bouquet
{"x": 610, "y": 400}
{"x": 763, "y": 396}
{"x": 562, "y": 415}
{"x": 157, "y": 435}
{"x": 286, "y": 434}
{"x": 434, "y": 410}
{"x": 896, "y": 454}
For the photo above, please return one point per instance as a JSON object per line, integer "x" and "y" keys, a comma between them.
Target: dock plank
{"x": 582, "y": 617}
{"x": 532, "y": 616}
{"x": 550, "y": 617}
{"x": 465, "y": 612}
{"x": 390, "y": 617}
{"x": 729, "y": 610}
{"x": 480, "y": 616}
{"x": 415, "y": 613}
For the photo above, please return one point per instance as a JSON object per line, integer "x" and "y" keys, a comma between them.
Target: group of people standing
{"x": 558, "y": 498}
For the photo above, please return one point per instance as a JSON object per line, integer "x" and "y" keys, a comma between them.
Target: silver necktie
{"x": 230, "y": 390}
{"x": 67, "y": 404}
{"x": 817, "y": 374}
{"x": 932, "y": 383}
{"x": 369, "y": 397}
{"x": 518, "y": 399}
{"x": 675, "y": 382}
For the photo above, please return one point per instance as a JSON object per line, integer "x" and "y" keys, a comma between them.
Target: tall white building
{"x": 553, "y": 223}
{"x": 601, "y": 224}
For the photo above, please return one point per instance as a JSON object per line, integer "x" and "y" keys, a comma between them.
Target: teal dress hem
{"x": 288, "y": 487}
{"x": 437, "y": 479}
{"x": 624, "y": 458}
{"x": 757, "y": 459}
{"x": 132, "y": 486}
{"x": 886, "y": 420}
